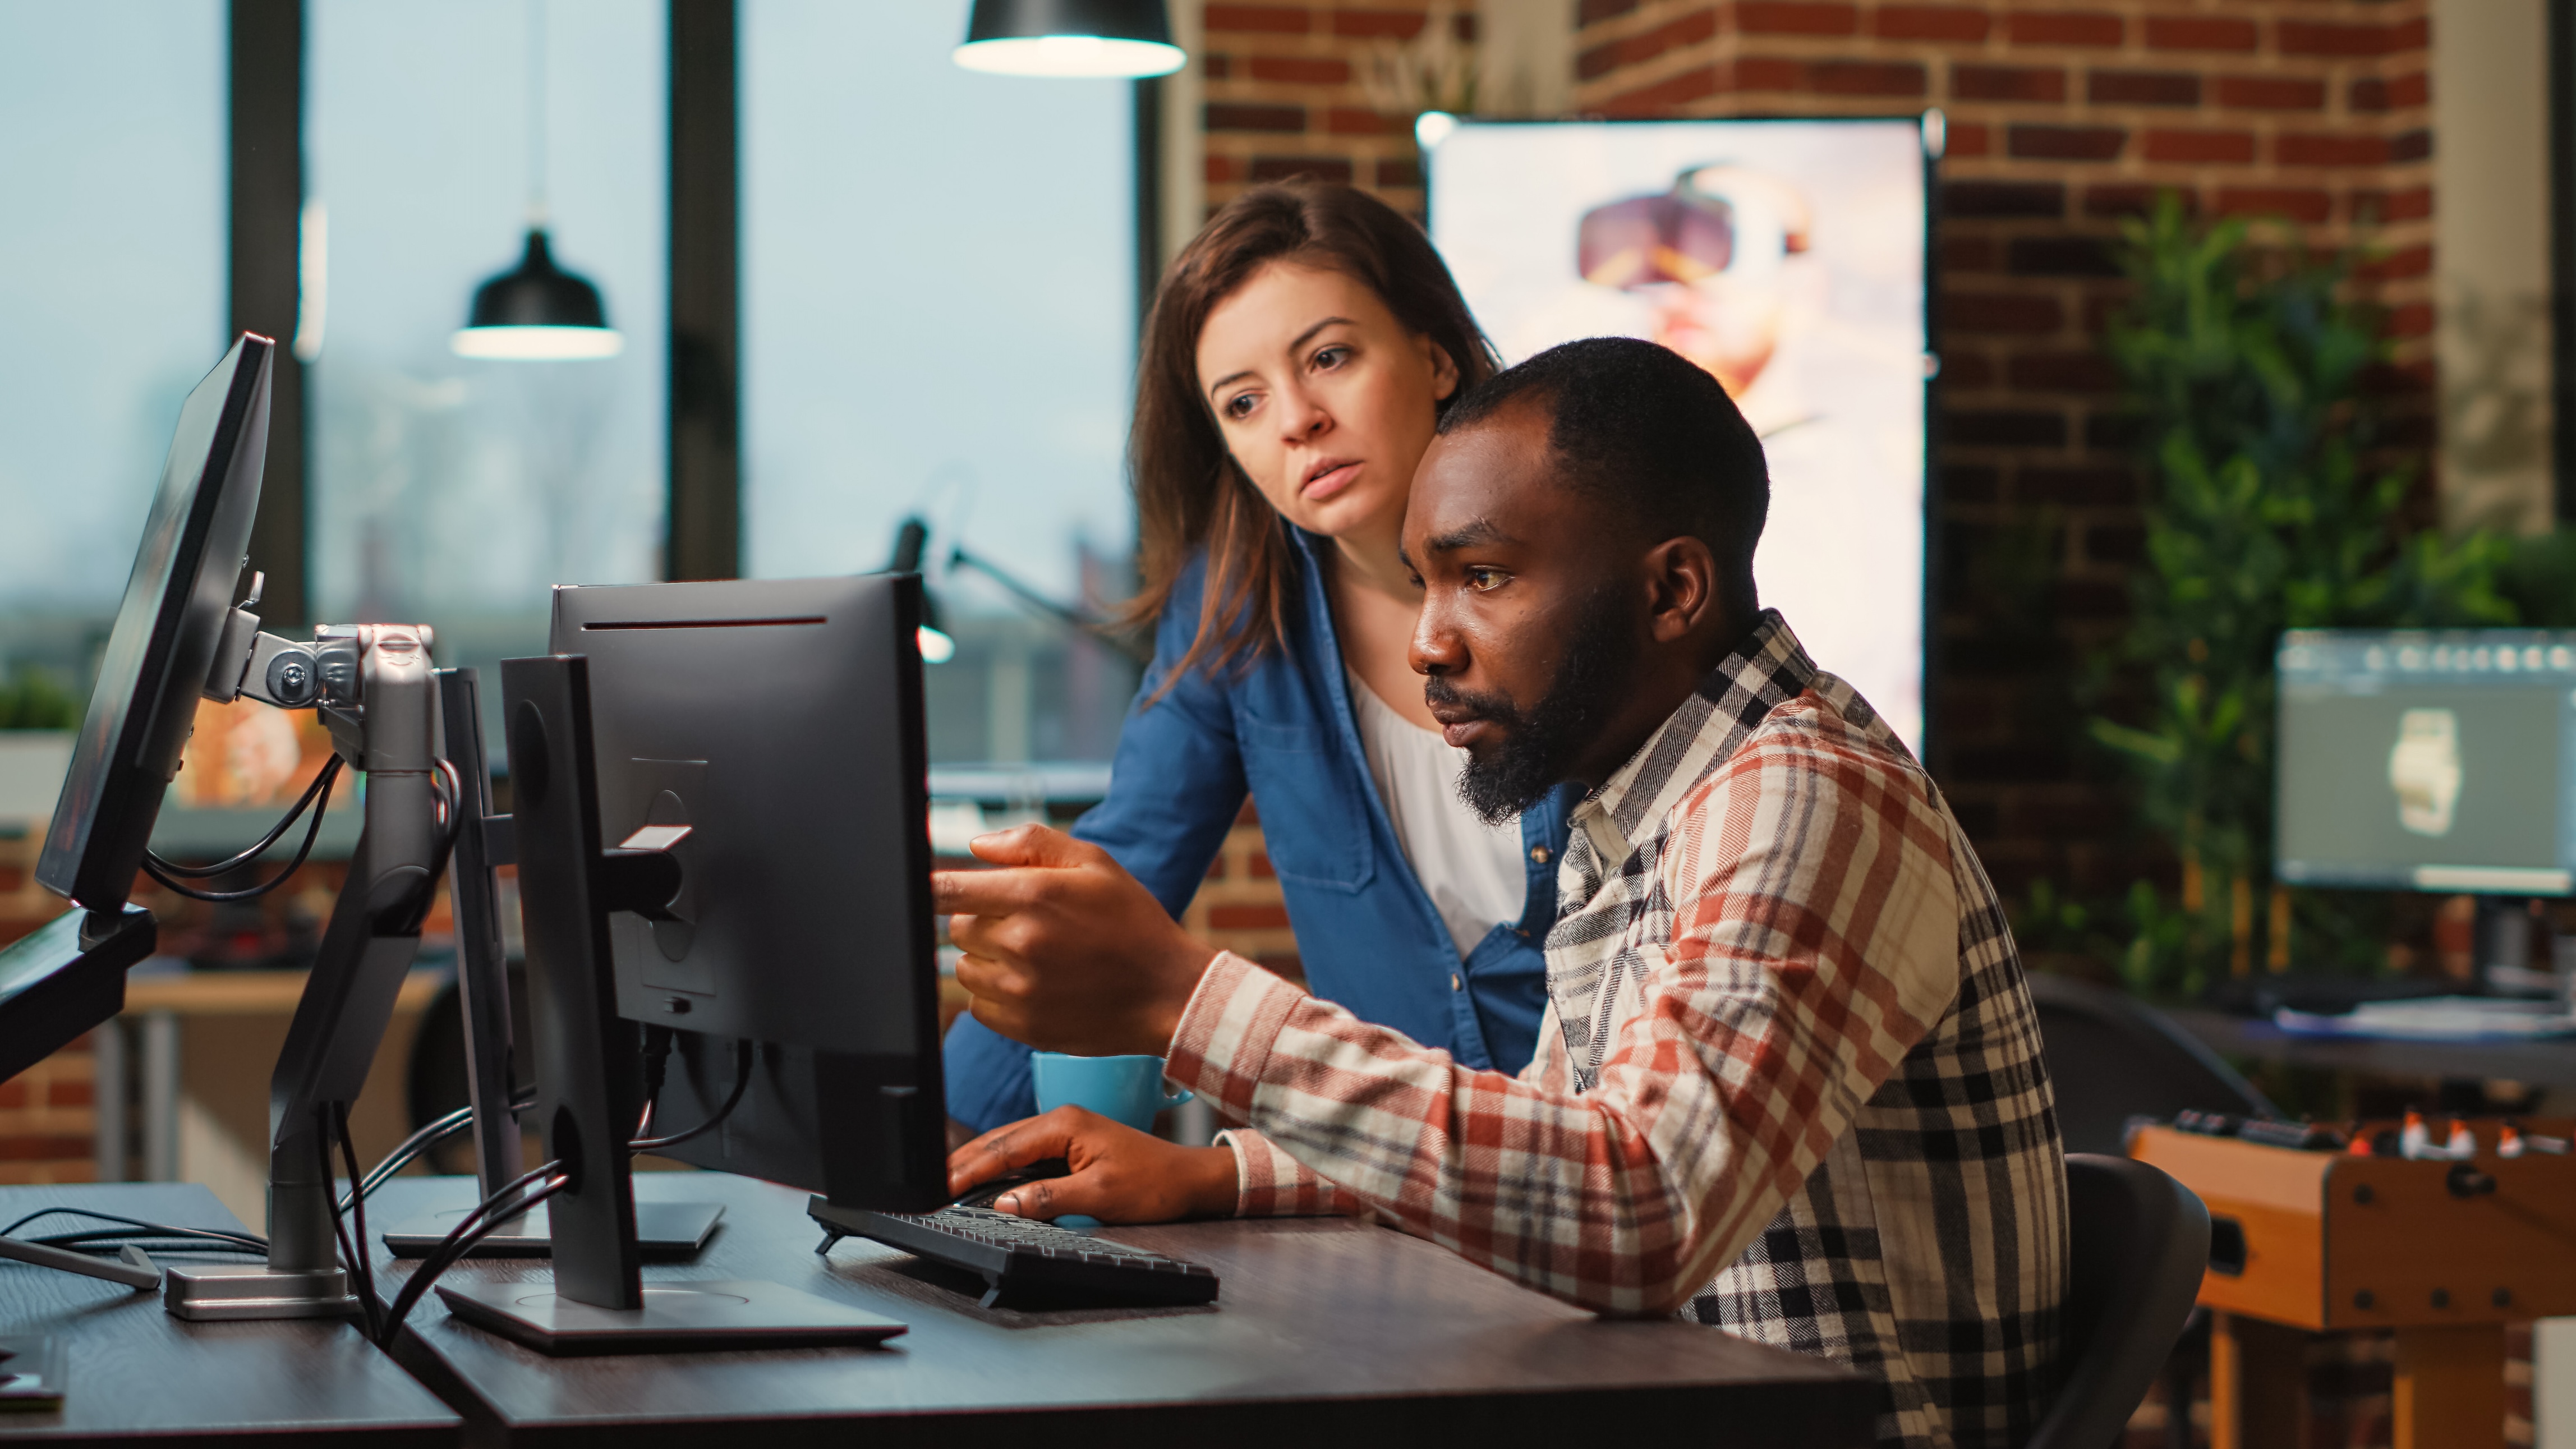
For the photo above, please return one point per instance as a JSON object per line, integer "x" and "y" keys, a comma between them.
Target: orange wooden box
{"x": 2331, "y": 1240}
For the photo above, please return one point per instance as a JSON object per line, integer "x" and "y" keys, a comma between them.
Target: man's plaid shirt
{"x": 1789, "y": 1080}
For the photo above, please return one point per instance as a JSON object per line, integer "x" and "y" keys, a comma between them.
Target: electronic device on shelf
{"x": 721, "y": 826}
{"x": 1025, "y": 1262}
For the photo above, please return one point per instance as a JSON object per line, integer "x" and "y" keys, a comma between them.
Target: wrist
{"x": 1186, "y": 965}
{"x": 1216, "y": 1187}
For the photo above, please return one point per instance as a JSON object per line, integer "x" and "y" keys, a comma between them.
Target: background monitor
{"x": 781, "y": 721}
{"x": 1787, "y": 257}
{"x": 2428, "y": 761}
{"x": 162, "y": 646}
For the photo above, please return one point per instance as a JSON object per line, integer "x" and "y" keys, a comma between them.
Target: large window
{"x": 447, "y": 490}
{"x": 112, "y": 305}
{"x": 938, "y": 321}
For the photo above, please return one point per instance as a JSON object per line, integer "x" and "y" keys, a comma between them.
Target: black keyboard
{"x": 1024, "y": 1262}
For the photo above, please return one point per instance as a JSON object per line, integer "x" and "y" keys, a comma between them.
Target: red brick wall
{"x": 45, "y": 1116}
{"x": 1285, "y": 95}
{"x": 2061, "y": 120}
{"x": 1240, "y": 907}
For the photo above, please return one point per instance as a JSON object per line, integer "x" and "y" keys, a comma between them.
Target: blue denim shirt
{"x": 1367, "y": 933}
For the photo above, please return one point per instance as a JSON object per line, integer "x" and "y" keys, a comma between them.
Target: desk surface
{"x": 136, "y": 1372}
{"x": 2537, "y": 1064}
{"x": 1325, "y": 1327}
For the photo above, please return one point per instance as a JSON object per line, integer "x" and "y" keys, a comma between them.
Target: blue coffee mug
{"x": 1123, "y": 1089}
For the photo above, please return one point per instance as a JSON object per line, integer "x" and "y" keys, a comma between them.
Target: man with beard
{"x": 1789, "y": 1082}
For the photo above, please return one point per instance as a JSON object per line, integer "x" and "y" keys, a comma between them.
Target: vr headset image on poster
{"x": 1787, "y": 258}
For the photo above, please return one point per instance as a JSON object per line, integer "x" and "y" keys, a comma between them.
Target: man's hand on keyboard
{"x": 1064, "y": 950}
{"x": 1119, "y": 1175}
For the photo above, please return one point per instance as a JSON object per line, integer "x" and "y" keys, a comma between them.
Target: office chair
{"x": 2138, "y": 1242}
{"x": 2112, "y": 1057}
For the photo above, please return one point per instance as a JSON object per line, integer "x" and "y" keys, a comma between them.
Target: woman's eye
{"x": 1331, "y": 357}
{"x": 1483, "y": 580}
{"x": 1238, "y": 407}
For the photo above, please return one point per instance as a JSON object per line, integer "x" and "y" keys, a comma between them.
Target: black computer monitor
{"x": 780, "y": 724}
{"x": 781, "y": 720}
{"x": 2432, "y": 761}
{"x": 162, "y": 647}
{"x": 69, "y": 975}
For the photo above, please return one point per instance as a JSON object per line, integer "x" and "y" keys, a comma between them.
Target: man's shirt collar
{"x": 1765, "y": 671}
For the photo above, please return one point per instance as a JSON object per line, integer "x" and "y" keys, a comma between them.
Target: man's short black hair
{"x": 1649, "y": 429}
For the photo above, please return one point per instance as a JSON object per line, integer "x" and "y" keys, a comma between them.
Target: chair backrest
{"x": 2112, "y": 1057}
{"x": 2138, "y": 1245}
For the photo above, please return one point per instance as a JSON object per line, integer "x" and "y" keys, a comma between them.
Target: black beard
{"x": 1539, "y": 744}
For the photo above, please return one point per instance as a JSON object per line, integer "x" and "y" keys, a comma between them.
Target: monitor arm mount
{"x": 374, "y": 689}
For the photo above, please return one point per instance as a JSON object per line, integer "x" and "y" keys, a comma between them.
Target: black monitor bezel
{"x": 130, "y": 738}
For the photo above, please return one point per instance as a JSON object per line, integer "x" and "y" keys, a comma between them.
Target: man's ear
{"x": 1681, "y": 584}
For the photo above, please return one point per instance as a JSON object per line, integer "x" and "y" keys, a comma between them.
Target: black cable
{"x": 109, "y": 1242}
{"x": 152, "y": 863}
{"x": 411, "y": 1147}
{"x": 321, "y": 783}
{"x": 426, "y": 1138}
{"x": 462, "y": 1238}
{"x": 741, "y": 1084}
{"x": 418, "y": 1285}
{"x": 366, "y": 1261}
{"x": 657, "y": 1061}
{"x": 247, "y": 1240}
{"x": 339, "y": 1230}
{"x": 367, "y": 1306}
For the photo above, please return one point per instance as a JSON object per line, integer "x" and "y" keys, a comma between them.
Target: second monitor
{"x": 722, "y": 832}
{"x": 781, "y": 722}
{"x": 2428, "y": 761}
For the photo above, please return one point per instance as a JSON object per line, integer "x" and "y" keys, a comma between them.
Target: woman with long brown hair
{"x": 1300, "y": 352}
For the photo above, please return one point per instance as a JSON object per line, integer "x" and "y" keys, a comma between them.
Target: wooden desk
{"x": 137, "y": 1372}
{"x": 2536, "y": 1064}
{"x": 1328, "y": 1331}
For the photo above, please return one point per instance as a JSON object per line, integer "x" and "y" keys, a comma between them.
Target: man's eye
{"x": 1483, "y": 580}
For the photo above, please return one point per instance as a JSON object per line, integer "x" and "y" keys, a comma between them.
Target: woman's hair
{"x": 1189, "y": 492}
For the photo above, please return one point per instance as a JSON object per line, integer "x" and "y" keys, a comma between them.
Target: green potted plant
{"x": 2271, "y": 506}
{"x": 37, "y": 717}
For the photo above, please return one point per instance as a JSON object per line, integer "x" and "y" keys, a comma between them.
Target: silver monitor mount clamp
{"x": 375, "y": 690}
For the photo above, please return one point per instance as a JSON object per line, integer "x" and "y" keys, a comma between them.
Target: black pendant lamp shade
{"x": 537, "y": 312}
{"x": 1131, "y": 38}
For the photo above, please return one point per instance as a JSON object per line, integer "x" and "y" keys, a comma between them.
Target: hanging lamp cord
{"x": 537, "y": 113}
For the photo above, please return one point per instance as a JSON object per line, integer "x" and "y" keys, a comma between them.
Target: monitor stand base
{"x": 217, "y": 1292}
{"x": 676, "y": 1317}
{"x": 662, "y": 1230}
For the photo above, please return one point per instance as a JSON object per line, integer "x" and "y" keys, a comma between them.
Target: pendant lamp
{"x": 537, "y": 311}
{"x": 1120, "y": 38}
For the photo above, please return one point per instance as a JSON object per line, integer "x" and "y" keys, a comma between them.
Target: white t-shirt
{"x": 1472, "y": 870}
